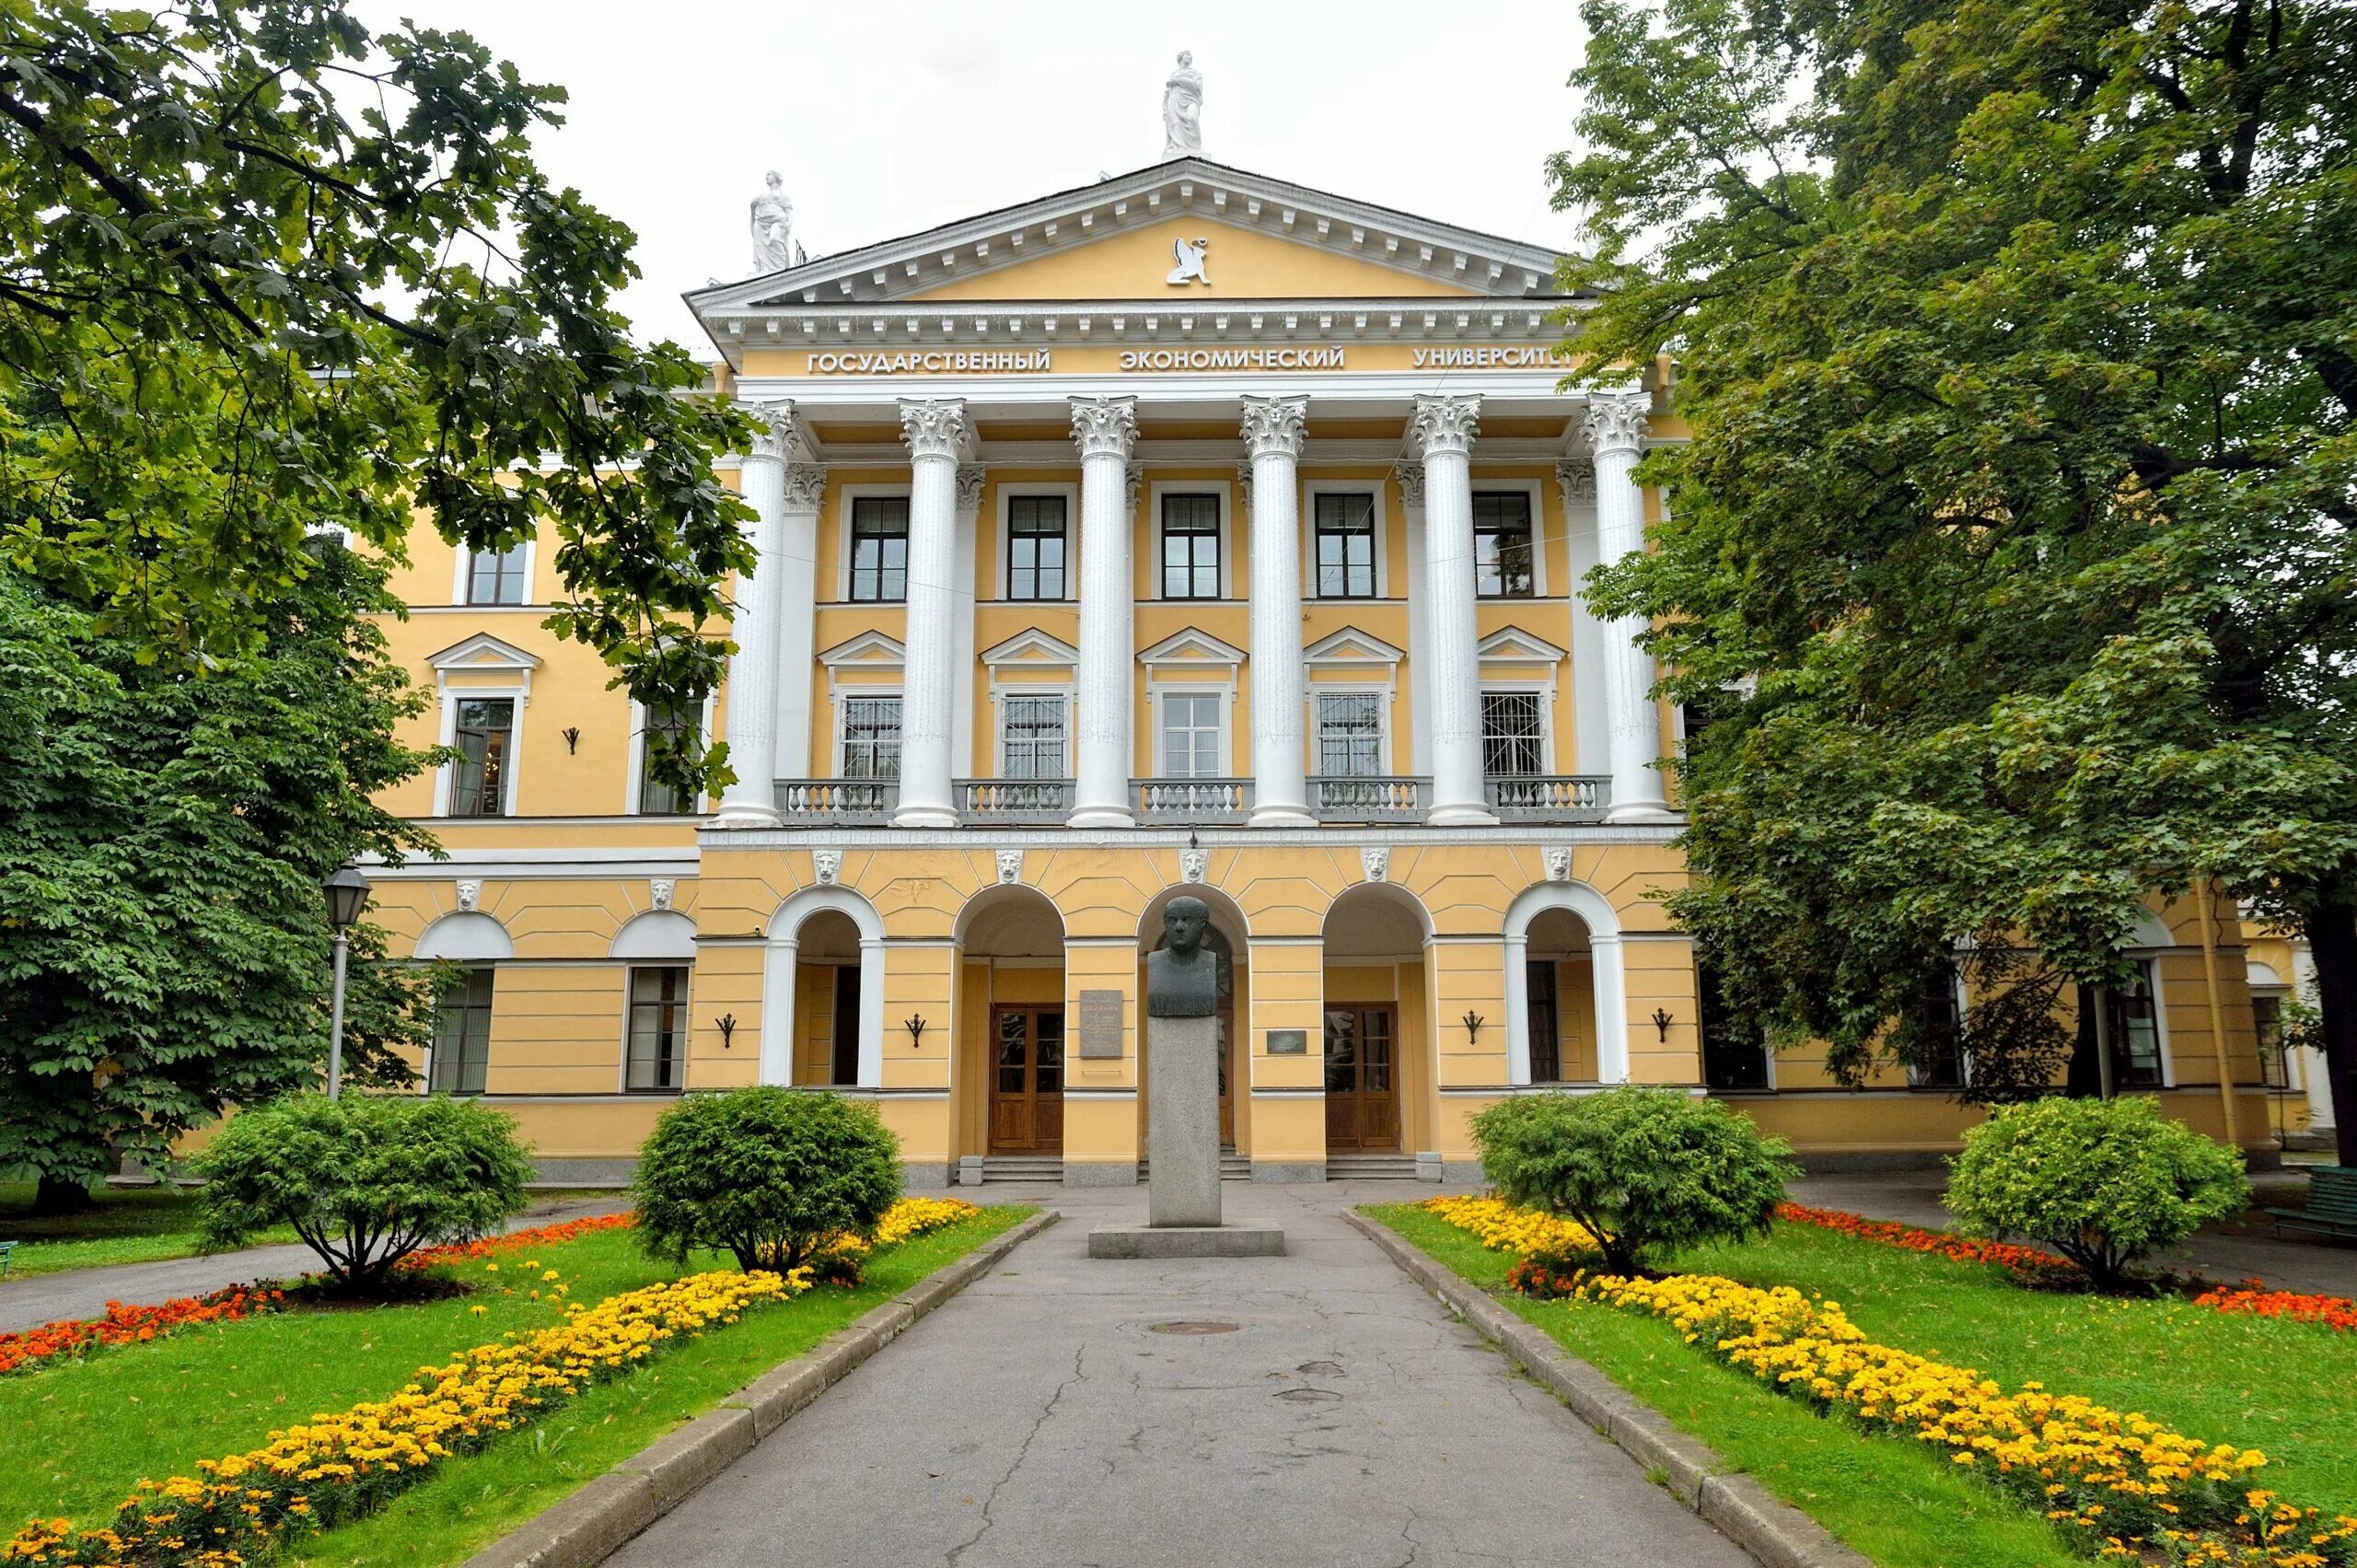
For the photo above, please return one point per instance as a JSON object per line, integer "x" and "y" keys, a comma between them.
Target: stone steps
{"x": 1233, "y": 1167}
{"x": 1023, "y": 1168}
{"x": 1370, "y": 1167}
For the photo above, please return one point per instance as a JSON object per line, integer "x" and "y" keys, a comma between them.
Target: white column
{"x": 1272, "y": 433}
{"x": 1610, "y": 981}
{"x": 1616, "y": 426}
{"x": 1106, "y": 430}
{"x": 1442, "y": 433}
{"x": 1591, "y": 728}
{"x": 937, "y": 434}
{"x": 780, "y": 967}
{"x": 1411, "y": 480}
{"x": 797, "y": 601}
{"x": 961, "y": 735}
{"x": 751, "y": 800}
{"x": 1518, "y": 1009}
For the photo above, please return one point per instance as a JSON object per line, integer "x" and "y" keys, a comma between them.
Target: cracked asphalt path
{"x": 1037, "y": 1418}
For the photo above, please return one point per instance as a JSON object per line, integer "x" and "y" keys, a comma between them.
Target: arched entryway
{"x": 1228, "y": 940}
{"x": 1011, "y": 1050}
{"x": 1376, "y": 1076}
{"x": 822, "y": 990}
{"x": 1566, "y": 1012}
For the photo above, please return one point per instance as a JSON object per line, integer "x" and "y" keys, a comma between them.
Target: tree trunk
{"x": 2332, "y": 943}
{"x": 58, "y": 1197}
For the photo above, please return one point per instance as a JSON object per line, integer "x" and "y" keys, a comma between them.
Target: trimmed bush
{"x": 766, "y": 1174}
{"x": 2102, "y": 1181}
{"x": 364, "y": 1181}
{"x": 1644, "y": 1169}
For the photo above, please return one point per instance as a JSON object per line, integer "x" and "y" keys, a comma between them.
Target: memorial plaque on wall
{"x": 1288, "y": 1043}
{"x": 1101, "y": 1023}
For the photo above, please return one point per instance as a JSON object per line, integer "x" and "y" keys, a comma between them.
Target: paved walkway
{"x": 1913, "y": 1197}
{"x": 27, "y": 1301}
{"x": 1039, "y": 1418}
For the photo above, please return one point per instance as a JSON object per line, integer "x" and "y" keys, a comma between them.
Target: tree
{"x": 768, "y": 1174}
{"x": 2013, "y": 542}
{"x": 263, "y": 269}
{"x": 163, "y": 947}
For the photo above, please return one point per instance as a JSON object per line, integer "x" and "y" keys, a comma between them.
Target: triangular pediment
{"x": 867, "y": 648}
{"x": 1351, "y": 645}
{"x": 483, "y": 651}
{"x": 1195, "y": 646}
{"x": 1115, "y": 240}
{"x": 1512, "y": 645}
{"x": 1032, "y": 649}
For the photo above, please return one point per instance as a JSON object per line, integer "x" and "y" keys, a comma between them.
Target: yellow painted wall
{"x": 1241, "y": 263}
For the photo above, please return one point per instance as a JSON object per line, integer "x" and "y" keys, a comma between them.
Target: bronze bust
{"x": 1182, "y": 980}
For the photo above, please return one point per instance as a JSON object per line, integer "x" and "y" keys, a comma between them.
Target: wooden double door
{"x": 1027, "y": 1080}
{"x": 1363, "y": 1078}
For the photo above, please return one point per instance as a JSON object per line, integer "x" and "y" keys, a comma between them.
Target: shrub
{"x": 1641, "y": 1168}
{"x": 2103, "y": 1182}
{"x": 767, "y": 1174}
{"x": 364, "y": 1181}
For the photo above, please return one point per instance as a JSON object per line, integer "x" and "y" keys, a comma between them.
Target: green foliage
{"x": 163, "y": 947}
{"x": 766, "y": 1174}
{"x": 266, "y": 269}
{"x": 1642, "y": 1169}
{"x": 365, "y": 1180}
{"x": 2103, "y": 1182}
{"x": 2012, "y": 550}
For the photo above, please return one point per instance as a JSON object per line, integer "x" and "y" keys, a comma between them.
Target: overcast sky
{"x": 889, "y": 116}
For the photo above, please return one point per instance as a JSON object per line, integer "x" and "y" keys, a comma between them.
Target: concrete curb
{"x": 1770, "y": 1528}
{"x": 593, "y": 1523}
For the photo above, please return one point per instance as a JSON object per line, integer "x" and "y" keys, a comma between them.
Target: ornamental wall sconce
{"x": 1662, "y": 1021}
{"x": 572, "y": 734}
{"x": 915, "y": 1027}
{"x": 727, "y": 1024}
{"x": 1472, "y": 1026}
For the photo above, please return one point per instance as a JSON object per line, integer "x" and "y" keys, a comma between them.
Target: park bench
{"x": 2332, "y": 1203}
{"x": 7, "y": 1250}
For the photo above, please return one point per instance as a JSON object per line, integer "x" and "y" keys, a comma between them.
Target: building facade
{"x": 1190, "y": 532}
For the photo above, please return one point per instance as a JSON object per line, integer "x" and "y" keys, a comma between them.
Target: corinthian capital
{"x": 1411, "y": 480}
{"x": 773, "y": 436}
{"x": 1577, "y": 476}
{"x": 1272, "y": 426}
{"x": 805, "y": 486}
{"x": 1105, "y": 427}
{"x": 970, "y": 486}
{"x": 1443, "y": 424}
{"x": 935, "y": 427}
{"x": 1617, "y": 422}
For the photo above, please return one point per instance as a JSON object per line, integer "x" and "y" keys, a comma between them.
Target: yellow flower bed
{"x": 1505, "y": 1228}
{"x": 2139, "y": 1490}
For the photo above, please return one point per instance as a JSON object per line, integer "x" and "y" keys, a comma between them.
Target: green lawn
{"x": 145, "y": 1225}
{"x": 100, "y": 1425}
{"x": 2287, "y": 1389}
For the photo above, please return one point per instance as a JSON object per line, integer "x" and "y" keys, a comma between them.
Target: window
{"x": 871, "y": 737}
{"x": 1350, "y": 735}
{"x": 1036, "y": 542}
{"x": 655, "y": 1055}
{"x": 496, "y": 577}
{"x": 2267, "y": 1018}
{"x": 1345, "y": 541}
{"x": 1503, "y": 559}
{"x": 1734, "y": 1058}
{"x": 879, "y": 548}
{"x": 1546, "y": 1039}
{"x": 672, "y": 730}
{"x": 1191, "y": 735}
{"x": 2119, "y": 1037}
{"x": 1513, "y": 737}
{"x": 462, "y": 1035}
{"x": 485, "y": 734}
{"x": 1939, "y": 1024}
{"x": 1034, "y": 739}
{"x": 1190, "y": 547}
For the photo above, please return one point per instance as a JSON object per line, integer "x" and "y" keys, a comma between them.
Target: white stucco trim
{"x": 778, "y": 973}
{"x": 1603, "y": 923}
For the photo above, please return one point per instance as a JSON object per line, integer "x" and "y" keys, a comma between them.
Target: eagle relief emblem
{"x": 1190, "y": 256}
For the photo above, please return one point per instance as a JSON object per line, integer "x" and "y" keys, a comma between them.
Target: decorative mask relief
{"x": 1194, "y": 864}
{"x": 470, "y": 895}
{"x": 1559, "y": 865}
{"x": 658, "y": 893}
{"x": 826, "y": 864}
{"x": 1375, "y": 861}
{"x": 1010, "y": 866}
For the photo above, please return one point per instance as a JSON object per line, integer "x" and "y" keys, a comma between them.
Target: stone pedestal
{"x": 1183, "y": 1122}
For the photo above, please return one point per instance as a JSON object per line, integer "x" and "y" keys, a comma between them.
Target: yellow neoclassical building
{"x": 1191, "y": 531}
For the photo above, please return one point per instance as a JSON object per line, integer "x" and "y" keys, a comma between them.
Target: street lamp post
{"x": 347, "y": 895}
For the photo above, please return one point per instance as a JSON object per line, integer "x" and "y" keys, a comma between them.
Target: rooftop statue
{"x": 773, "y": 227}
{"x": 1183, "y": 109}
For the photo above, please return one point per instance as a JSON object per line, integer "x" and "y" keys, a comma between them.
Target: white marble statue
{"x": 773, "y": 227}
{"x": 1188, "y": 253}
{"x": 1183, "y": 109}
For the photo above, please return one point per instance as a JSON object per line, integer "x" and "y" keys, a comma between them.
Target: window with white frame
{"x": 1504, "y": 549}
{"x": 1033, "y": 737}
{"x": 1343, "y": 535}
{"x": 1191, "y": 735}
{"x": 462, "y": 1034}
{"x": 1513, "y": 733}
{"x": 872, "y": 736}
{"x": 496, "y": 577}
{"x": 879, "y": 549}
{"x": 1939, "y": 1062}
{"x": 1350, "y": 735}
{"x": 1190, "y": 546}
{"x": 1036, "y": 548}
{"x": 668, "y": 732}
{"x": 656, "y": 1050}
{"x": 485, "y": 734}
